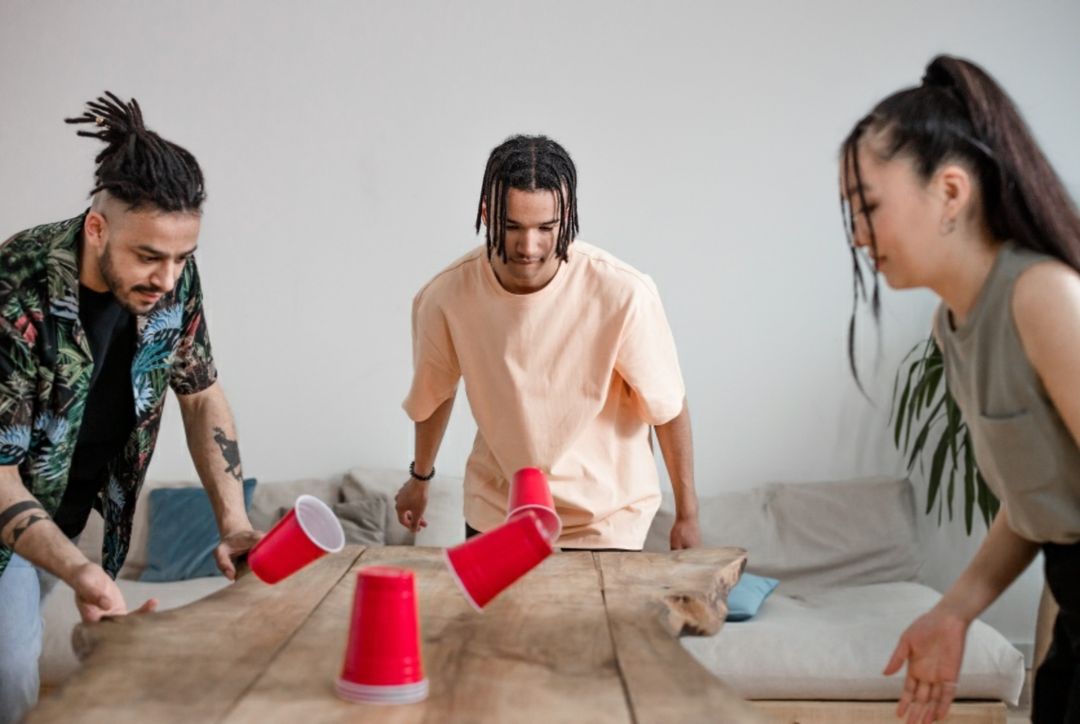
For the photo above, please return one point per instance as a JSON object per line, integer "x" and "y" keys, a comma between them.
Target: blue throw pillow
{"x": 746, "y": 597}
{"x": 183, "y": 534}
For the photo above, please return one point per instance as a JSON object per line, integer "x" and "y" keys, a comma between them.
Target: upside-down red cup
{"x": 529, "y": 491}
{"x": 487, "y": 564}
{"x": 382, "y": 660}
{"x": 309, "y": 531}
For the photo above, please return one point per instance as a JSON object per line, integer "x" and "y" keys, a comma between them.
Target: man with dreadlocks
{"x": 99, "y": 315}
{"x": 568, "y": 362}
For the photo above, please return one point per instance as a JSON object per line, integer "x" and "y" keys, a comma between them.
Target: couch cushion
{"x": 833, "y": 645}
{"x": 363, "y": 519}
{"x": 361, "y": 483}
{"x": 812, "y": 535}
{"x": 138, "y": 554}
{"x": 183, "y": 534}
{"x": 445, "y": 514}
{"x": 266, "y": 503}
{"x": 58, "y": 660}
{"x": 271, "y": 499}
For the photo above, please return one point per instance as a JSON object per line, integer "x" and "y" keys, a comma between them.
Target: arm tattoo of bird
{"x": 230, "y": 451}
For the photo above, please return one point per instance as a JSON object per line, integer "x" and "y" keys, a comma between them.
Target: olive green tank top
{"x": 1021, "y": 445}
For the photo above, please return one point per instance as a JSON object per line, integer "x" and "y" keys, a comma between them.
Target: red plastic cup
{"x": 529, "y": 491}
{"x": 382, "y": 660}
{"x": 487, "y": 564}
{"x": 309, "y": 531}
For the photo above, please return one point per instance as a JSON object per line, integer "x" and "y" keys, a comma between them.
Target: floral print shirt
{"x": 46, "y": 366}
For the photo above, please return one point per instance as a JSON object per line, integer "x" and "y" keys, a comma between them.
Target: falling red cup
{"x": 487, "y": 564}
{"x": 382, "y": 660}
{"x": 309, "y": 531}
{"x": 529, "y": 490}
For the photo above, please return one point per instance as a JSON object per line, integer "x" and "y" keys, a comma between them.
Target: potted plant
{"x": 925, "y": 417}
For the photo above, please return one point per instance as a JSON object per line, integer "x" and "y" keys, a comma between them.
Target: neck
{"x": 963, "y": 274}
{"x": 89, "y": 269}
{"x": 513, "y": 287}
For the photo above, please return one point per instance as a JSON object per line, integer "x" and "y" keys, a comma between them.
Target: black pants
{"x": 470, "y": 532}
{"x": 1057, "y": 682}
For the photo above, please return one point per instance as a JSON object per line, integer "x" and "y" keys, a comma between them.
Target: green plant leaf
{"x": 905, "y": 403}
{"x": 951, "y": 491}
{"x": 923, "y": 404}
{"x": 934, "y": 376}
{"x": 936, "y": 468}
{"x": 920, "y": 439}
{"x": 896, "y": 387}
{"x": 993, "y": 504}
{"x": 969, "y": 502}
{"x": 913, "y": 403}
{"x": 953, "y": 423}
{"x": 901, "y": 410}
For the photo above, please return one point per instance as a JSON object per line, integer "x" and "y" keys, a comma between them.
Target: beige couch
{"x": 848, "y": 560}
{"x": 845, "y": 553}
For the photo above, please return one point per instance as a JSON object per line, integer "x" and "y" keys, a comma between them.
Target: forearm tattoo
{"x": 231, "y": 452}
{"x": 12, "y": 512}
{"x": 25, "y": 523}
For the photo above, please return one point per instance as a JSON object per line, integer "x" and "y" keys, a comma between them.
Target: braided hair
{"x": 137, "y": 165}
{"x": 528, "y": 163}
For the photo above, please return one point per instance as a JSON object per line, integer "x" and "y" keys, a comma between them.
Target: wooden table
{"x": 585, "y": 637}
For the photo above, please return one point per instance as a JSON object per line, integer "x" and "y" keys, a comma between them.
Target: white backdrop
{"x": 344, "y": 144}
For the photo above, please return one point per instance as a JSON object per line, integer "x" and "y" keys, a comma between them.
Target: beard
{"x": 123, "y": 297}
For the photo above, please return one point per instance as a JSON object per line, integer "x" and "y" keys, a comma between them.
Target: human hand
{"x": 685, "y": 533}
{"x": 933, "y": 647}
{"x": 232, "y": 546}
{"x": 410, "y": 502}
{"x": 98, "y": 596}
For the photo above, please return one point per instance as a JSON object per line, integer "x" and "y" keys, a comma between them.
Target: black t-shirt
{"x": 110, "y": 407}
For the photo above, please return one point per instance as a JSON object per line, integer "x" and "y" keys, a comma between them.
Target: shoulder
{"x": 607, "y": 273}
{"x": 25, "y": 260}
{"x": 1044, "y": 289}
{"x": 189, "y": 278}
{"x": 26, "y": 254}
{"x": 453, "y": 278}
{"x": 187, "y": 297}
{"x": 1046, "y": 307}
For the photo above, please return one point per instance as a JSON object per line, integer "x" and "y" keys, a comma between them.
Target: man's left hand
{"x": 685, "y": 534}
{"x": 232, "y": 546}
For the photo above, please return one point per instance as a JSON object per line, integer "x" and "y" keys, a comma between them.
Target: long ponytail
{"x": 961, "y": 114}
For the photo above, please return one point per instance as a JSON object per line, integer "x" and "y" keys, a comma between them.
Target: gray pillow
{"x": 395, "y": 534}
{"x": 364, "y": 519}
{"x": 272, "y": 501}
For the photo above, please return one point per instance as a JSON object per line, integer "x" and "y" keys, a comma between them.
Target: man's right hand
{"x": 98, "y": 596}
{"x": 410, "y": 502}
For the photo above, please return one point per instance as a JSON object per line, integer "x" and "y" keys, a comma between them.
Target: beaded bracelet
{"x": 422, "y": 478}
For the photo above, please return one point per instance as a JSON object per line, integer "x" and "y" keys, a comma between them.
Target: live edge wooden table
{"x": 585, "y": 637}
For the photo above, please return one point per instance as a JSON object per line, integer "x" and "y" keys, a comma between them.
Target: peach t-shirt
{"x": 567, "y": 379}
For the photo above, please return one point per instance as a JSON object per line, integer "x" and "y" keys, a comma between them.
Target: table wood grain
{"x": 585, "y": 637}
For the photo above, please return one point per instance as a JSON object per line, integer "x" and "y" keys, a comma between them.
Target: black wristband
{"x": 421, "y": 478}
{"x": 14, "y": 510}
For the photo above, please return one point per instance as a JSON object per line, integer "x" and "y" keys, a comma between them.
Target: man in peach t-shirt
{"x": 568, "y": 364}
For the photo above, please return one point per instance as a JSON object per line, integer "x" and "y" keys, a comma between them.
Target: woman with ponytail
{"x": 943, "y": 186}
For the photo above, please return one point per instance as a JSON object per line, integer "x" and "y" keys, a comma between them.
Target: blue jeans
{"x": 22, "y": 589}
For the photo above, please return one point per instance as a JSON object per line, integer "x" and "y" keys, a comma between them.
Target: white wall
{"x": 344, "y": 143}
